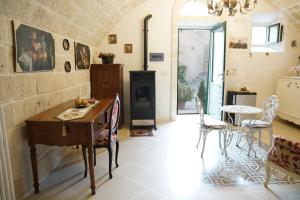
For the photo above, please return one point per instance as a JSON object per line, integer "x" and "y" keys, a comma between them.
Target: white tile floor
{"x": 166, "y": 166}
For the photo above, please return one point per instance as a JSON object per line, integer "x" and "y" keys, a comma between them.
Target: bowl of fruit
{"x": 81, "y": 103}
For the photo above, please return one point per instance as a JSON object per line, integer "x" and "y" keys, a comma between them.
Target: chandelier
{"x": 216, "y": 6}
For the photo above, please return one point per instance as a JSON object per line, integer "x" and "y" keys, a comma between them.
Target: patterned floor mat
{"x": 141, "y": 132}
{"x": 240, "y": 169}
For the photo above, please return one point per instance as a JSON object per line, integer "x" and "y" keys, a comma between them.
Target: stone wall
{"x": 23, "y": 95}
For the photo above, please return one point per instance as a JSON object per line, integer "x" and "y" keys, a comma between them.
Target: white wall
{"x": 130, "y": 31}
{"x": 258, "y": 72}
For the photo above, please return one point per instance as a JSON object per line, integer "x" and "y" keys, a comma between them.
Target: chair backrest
{"x": 270, "y": 107}
{"x": 200, "y": 110}
{"x": 114, "y": 116}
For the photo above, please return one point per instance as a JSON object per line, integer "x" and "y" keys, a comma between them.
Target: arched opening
{"x": 189, "y": 16}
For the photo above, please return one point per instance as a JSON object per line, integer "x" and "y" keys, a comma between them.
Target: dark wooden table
{"x": 44, "y": 128}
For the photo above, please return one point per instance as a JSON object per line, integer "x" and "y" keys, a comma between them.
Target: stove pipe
{"x": 146, "y": 41}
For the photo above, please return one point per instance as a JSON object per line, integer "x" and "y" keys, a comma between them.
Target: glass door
{"x": 216, "y": 70}
{"x": 193, "y": 56}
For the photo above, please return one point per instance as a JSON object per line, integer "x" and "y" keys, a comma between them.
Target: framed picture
{"x": 82, "y": 56}
{"x": 35, "y": 49}
{"x": 66, "y": 44}
{"x": 238, "y": 43}
{"x": 112, "y": 39}
{"x": 127, "y": 48}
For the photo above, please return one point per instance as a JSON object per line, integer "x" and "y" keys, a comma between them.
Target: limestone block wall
{"x": 23, "y": 95}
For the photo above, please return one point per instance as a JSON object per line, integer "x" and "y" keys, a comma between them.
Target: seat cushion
{"x": 255, "y": 123}
{"x": 102, "y": 138}
{"x": 286, "y": 154}
{"x": 209, "y": 122}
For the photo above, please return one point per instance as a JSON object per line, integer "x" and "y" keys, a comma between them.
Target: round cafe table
{"x": 240, "y": 109}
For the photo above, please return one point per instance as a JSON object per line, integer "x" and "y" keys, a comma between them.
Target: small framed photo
{"x": 66, "y": 44}
{"x": 238, "y": 44}
{"x": 112, "y": 39}
{"x": 127, "y": 48}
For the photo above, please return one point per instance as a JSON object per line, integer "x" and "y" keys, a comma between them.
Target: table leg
{"x": 34, "y": 168}
{"x": 91, "y": 167}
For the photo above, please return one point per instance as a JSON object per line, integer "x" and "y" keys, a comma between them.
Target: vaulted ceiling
{"x": 290, "y": 8}
{"x": 90, "y": 20}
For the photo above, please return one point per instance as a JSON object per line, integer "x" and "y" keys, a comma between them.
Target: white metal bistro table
{"x": 240, "y": 109}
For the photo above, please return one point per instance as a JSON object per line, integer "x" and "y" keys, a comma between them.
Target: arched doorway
{"x": 191, "y": 14}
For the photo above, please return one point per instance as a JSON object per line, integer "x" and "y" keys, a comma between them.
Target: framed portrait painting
{"x": 82, "y": 56}
{"x": 127, "y": 48}
{"x": 35, "y": 49}
{"x": 112, "y": 39}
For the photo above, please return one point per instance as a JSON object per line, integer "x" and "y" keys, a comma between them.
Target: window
{"x": 259, "y": 35}
{"x": 273, "y": 33}
{"x": 264, "y": 35}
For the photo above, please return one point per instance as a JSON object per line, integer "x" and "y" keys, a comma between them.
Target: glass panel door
{"x": 193, "y": 55}
{"x": 216, "y": 70}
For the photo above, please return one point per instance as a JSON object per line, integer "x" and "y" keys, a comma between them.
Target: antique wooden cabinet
{"x": 288, "y": 93}
{"x": 106, "y": 81}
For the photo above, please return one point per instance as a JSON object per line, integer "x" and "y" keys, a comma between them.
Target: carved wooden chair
{"x": 107, "y": 137}
{"x": 270, "y": 108}
{"x": 208, "y": 124}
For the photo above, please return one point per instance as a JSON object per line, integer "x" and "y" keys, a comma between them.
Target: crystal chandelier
{"x": 216, "y": 6}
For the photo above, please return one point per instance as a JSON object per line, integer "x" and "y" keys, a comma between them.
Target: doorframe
{"x": 206, "y": 92}
{"x": 210, "y": 72}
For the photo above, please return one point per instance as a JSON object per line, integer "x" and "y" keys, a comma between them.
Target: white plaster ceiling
{"x": 91, "y": 20}
{"x": 290, "y": 8}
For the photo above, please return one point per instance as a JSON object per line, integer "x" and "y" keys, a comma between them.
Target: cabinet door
{"x": 283, "y": 92}
{"x": 109, "y": 82}
{"x": 295, "y": 99}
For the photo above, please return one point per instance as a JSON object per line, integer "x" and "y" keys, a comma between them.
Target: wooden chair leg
{"x": 110, "y": 160}
{"x": 84, "y": 159}
{"x": 267, "y": 168}
{"x": 94, "y": 148}
{"x": 117, "y": 153}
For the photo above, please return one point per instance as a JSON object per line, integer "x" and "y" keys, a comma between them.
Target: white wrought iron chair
{"x": 208, "y": 124}
{"x": 270, "y": 108}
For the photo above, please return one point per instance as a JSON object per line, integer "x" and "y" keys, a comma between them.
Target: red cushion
{"x": 102, "y": 137}
{"x": 286, "y": 154}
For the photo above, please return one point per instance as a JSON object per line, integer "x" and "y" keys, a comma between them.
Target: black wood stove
{"x": 142, "y": 92}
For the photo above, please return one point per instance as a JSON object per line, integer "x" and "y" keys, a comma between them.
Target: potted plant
{"x": 202, "y": 94}
{"x": 184, "y": 92}
{"x": 107, "y": 58}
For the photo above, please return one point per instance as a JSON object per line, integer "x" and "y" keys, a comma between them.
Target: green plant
{"x": 181, "y": 73}
{"x": 202, "y": 93}
{"x": 185, "y": 92}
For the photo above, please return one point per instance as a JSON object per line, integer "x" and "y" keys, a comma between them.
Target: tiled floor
{"x": 166, "y": 166}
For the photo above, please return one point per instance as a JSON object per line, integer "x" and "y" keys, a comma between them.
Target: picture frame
{"x": 67, "y": 66}
{"x": 66, "y": 44}
{"x": 82, "y": 56}
{"x": 127, "y": 48}
{"x": 238, "y": 44}
{"x": 34, "y": 49}
{"x": 112, "y": 39}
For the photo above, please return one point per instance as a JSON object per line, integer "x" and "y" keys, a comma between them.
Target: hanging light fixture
{"x": 216, "y": 6}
